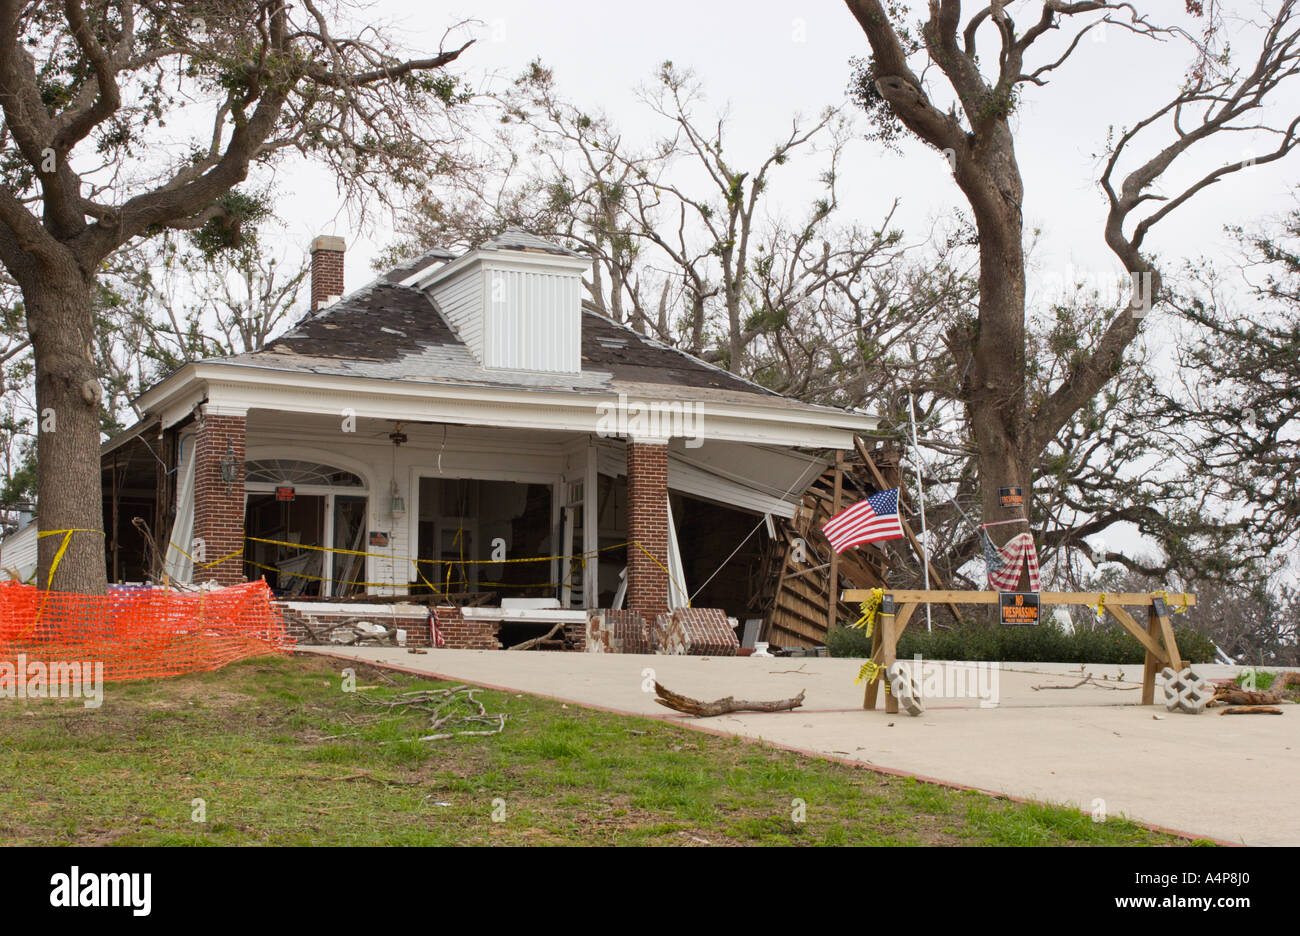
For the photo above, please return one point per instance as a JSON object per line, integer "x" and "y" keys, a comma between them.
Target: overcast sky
{"x": 766, "y": 61}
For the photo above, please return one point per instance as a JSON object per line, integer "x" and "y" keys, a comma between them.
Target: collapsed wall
{"x": 796, "y": 584}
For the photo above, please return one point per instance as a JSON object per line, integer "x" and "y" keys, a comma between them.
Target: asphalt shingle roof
{"x": 395, "y": 332}
{"x": 389, "y": 331}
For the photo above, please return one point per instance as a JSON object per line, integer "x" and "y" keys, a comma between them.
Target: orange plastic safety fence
{"x": 139, "y": 632}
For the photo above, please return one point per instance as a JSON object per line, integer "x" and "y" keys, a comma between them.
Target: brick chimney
{"x": 326, "y": 270}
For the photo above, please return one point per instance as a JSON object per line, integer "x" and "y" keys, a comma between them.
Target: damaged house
{"x": 465, "y": 432}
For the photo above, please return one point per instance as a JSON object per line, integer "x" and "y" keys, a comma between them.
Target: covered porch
{"x": 335, "y": 509}
{"x": 338, "y": 490}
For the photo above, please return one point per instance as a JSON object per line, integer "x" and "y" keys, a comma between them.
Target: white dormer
{"x": 516, "y": 302}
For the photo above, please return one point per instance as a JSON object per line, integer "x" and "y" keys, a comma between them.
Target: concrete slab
{"x": 1227, "y": 778}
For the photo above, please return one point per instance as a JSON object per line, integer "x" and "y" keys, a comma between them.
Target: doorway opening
{"x": 483, "y": 538}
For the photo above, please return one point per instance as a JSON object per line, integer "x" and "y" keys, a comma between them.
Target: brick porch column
{"x": 647, "y": 524}
{"x": 219, "y": 505}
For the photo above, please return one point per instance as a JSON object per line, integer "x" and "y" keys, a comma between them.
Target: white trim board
{"x": 235, "y": 388}
{"x": 531, "y": 615}
{"x": 358, "y": 608}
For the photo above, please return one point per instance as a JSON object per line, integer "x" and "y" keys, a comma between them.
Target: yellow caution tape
{"x": 316, "y": 578}
{"x": 578, "y": 563}
{"x": 63, "y": 547}
{"x": 207, "y": 565}
{"x": 355, "y": 552}
{"x": 1178, "y": 610}
{"x": 869, "y": 609}
{"x": 432, "y": 587}
{"x": 870, "y": 671}
{"x": 319, "y": 578}
{"x": 682, "y": 590}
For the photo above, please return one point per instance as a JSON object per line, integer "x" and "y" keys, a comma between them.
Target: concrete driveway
{"x": 1232, "y": 779}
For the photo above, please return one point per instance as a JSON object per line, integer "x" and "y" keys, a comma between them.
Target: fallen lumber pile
{"x": 797, "y": 591}
{"x": 689, "y": 706}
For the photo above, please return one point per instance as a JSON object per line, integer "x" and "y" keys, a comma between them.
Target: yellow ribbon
{"x": 1178, "y": 610}
{"x": 870, "y": 671}
{"x": 1100, "y": 607}
{"x": 869, "y": 609}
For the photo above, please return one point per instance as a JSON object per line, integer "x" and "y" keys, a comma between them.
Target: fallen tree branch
{"x": 441, "y": 704}
{"x": 1088, "y": 681}
{"x": 1252, "y": 710}
{"x": 1230, "y": 695}
{"x": 534, "y": 641}
{"x": 681, "y": 703}
{"x": 359, "y": 775}
{"x": 1234, "y": 695}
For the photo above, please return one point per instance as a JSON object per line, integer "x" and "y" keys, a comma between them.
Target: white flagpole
{"x": 920, "y": 499}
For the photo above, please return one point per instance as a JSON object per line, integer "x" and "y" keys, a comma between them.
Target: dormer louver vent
{"x": 516, "y": 302}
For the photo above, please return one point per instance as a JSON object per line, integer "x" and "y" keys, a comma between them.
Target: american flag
{"x": 1005, "y": 564}
{"x": 438, "y": 639}
{"x": 868, "y": 521}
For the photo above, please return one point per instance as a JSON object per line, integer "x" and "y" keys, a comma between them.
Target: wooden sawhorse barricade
{"x": 897, "y": 607}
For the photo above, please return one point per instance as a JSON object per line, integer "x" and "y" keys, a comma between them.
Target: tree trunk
{"x": 997, "y": 401}
{"x": 735, "y": 344}
{"x": 61, "y": 322}
{"x": 697, "y": 322}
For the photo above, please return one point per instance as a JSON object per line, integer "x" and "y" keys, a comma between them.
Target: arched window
{"x": 291, "y": 472}
{"x": 305, "y": 527}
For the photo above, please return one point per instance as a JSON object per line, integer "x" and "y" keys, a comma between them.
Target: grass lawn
{"x": 280, "y": 755}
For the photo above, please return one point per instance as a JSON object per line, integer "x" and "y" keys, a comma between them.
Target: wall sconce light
{"x": 229, "y": 467}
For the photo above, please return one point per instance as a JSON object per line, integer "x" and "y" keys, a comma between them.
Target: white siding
{"x": 177, "y": 564}
{"x": 532, "y": 320}
{"x": 461, "y": 300}
{"x": 18, "y": 552}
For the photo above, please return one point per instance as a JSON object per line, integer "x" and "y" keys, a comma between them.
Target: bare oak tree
{"x": 909, "y": 69}
{"x": 727, "y": 209}
{"x": 684, "y": 233}
{"x": 85, "y": 87}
